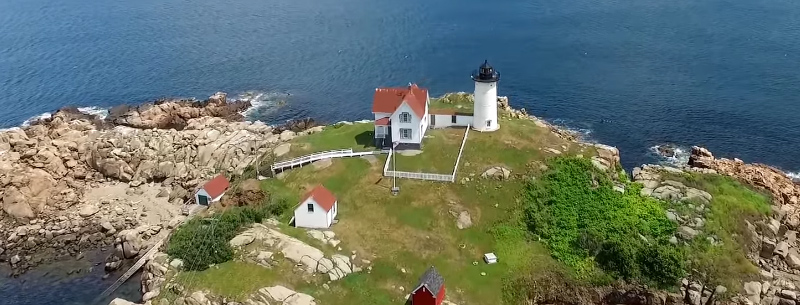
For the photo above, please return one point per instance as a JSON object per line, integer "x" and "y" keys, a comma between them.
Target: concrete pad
{"x": 409, "y": 152}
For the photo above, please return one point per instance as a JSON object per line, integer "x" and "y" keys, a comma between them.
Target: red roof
{"x": 382, "y": 122}
{"x": 387, "y": 100}
{"x": 322, "y": 196}
{"x": 216, "y": 186}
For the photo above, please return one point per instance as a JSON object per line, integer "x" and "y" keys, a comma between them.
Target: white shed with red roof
{"x": 317, "y": 209}
{"x": 212, "y": 191}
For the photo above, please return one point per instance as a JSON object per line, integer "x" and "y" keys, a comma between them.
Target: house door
{"x": 433, "y": 120}
{"x": 488, "y": 123}
{"x": 202, "y": 200}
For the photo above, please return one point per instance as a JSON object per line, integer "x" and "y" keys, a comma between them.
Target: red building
{"x": 430, "y": 290}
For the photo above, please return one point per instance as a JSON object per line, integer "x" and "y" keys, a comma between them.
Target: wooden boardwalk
{"x": 303, "y": 160}
{"x": 138, "y": 265}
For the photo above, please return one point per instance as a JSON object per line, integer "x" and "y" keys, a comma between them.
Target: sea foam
{"x": 100, "y": 112}
{"x": 679, "y": 158}
{"x": 32, "y": 119}
{"x": 262, "y": 103}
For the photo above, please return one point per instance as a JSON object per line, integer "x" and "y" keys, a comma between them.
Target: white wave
{"x": 42, "y": 116}
{"x": 680, "y": 155}
{"x": 101, "y": 113}
{"x": 793, "y": 175}
{"x": 583, "y": 133}
{"x": 262, "y": 103}
{"x": 8, "y": 129}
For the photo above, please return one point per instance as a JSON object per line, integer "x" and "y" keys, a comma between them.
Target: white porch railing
{"x": 339, "y": 153}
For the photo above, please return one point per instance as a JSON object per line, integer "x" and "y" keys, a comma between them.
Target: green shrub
{"x": 664, "y": 262}
{"x": 584, "y": 222}
{"x": 201, "y": 242}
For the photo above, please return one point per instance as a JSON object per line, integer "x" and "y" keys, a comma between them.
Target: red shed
{"x": 430, "y": 290}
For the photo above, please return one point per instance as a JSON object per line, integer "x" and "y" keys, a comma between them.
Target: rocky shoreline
{"x": 75, "y": 182}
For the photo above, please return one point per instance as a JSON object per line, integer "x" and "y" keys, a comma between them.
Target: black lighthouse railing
{"x": 486, "y": 74}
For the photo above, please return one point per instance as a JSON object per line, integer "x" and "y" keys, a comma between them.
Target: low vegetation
{"x": 587, "y": 224}
{"x": 725, "y": 262}
{"x": 203, "y": 241}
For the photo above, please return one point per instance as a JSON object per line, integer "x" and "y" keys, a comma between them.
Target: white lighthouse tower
{"x": 485, "y": 110}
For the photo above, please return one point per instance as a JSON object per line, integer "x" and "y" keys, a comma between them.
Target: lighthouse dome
{"x": 486, "y": 74}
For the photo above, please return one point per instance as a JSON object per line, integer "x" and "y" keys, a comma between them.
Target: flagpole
{"x": 395, "y": 189}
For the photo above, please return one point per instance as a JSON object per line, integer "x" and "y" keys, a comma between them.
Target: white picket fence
{"x": 460, "y": 150}
{"x": 425, "y": 176}
{"x": 300, "y": 161}
{"x": 419, "y": 176}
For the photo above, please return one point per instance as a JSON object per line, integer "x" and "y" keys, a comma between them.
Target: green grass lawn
{"x": 454, "y": 101}
{"x": 358, "y": 136}
{"x": 439, "y": 153}
{"x": 415, "y": 229}
{"x": 231, "y": 279}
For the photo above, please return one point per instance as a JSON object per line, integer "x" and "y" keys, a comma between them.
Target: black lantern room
{"x": 485, "y": 74}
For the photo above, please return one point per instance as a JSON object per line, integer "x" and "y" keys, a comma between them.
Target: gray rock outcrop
{"x": 49, "y": 169}
{"x": 497, "y": 172}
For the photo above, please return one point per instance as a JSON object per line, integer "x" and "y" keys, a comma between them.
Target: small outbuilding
{"x": 490, "y": 258}
{"x": 317, "y": 209}
{"x": 212, "y": 191}
{"x": 430, "y": 290}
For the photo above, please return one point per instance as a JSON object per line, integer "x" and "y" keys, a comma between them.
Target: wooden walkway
{"x": 303, "y": 160}
{"x": 138, "y": 265}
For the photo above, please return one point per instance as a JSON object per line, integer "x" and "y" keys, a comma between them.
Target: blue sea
{"x": 633, "y": 74}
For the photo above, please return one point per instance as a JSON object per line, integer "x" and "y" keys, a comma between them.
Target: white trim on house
{"x": 405, "y": 117}
{"x": 381, "y": 131}
{"x": 406, "y": 133}
{"x": 417, "y": 125}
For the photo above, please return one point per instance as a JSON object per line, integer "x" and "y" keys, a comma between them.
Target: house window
{"x": 405, "y": 133}
{"x": 453, "y": 119}
{"x": 311, "y": 208}
{"x": 405, "y": 117}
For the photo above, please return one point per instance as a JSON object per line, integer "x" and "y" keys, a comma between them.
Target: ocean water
{"x": 633, "y": 74}
{"x": 722, "y": 74}
{"x": 70, "y": 282}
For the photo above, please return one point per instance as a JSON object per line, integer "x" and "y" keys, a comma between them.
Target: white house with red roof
{"x": 317, "y": 209}
{"x": 212, "y": 191}
{"x": 401, "y": 115}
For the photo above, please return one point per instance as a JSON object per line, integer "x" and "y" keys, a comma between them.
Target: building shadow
{"x": 366, "y": 139}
